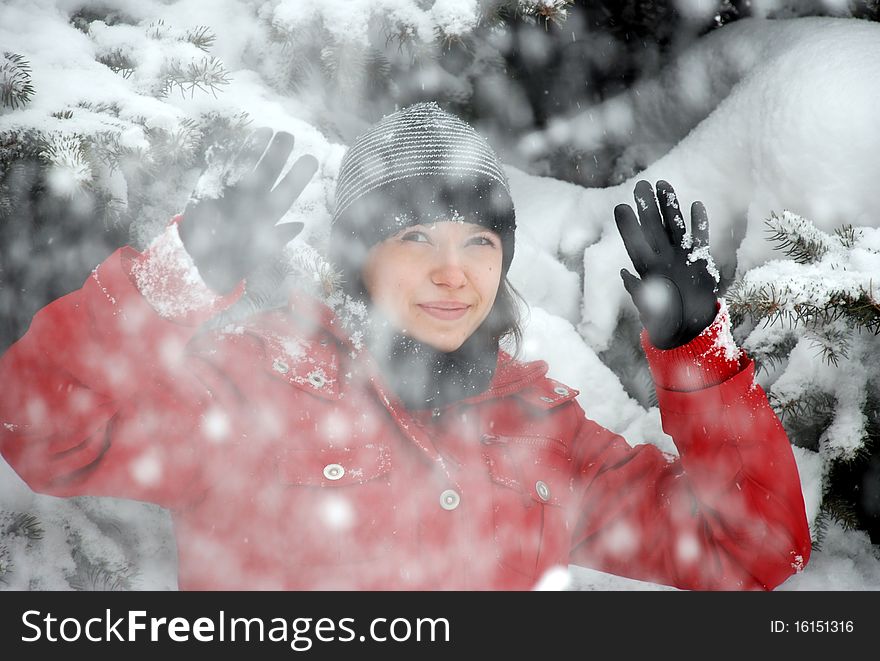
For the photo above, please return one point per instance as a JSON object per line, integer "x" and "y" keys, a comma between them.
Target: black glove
{"x": 676, "y": 295}
{"x": 230, "y": 235}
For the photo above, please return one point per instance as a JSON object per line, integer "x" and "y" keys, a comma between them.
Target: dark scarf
{"x": 424, "y": 377}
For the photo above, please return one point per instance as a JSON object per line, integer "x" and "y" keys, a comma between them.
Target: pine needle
{"x": 16, "y": 88}
{"x": 24, "y": 525}
{"x": 202, "y": 37}
{"x": 797, "y": 237}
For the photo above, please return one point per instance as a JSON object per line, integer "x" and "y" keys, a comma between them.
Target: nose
{"x": 448, "y": 270}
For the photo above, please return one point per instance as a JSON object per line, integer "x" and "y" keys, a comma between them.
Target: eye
{"x": 481, "y": 240}
{"x": 415, "y": 236}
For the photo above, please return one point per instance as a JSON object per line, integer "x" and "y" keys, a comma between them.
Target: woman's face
{"x": 436, "y": 283}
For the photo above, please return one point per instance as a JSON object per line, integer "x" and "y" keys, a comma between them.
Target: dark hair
{"x": 505, "y": 318}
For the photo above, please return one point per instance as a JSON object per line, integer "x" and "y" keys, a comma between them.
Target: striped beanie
{"x": 417, "y": 166}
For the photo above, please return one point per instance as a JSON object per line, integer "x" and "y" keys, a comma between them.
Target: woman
{"x": 379, "y": 437}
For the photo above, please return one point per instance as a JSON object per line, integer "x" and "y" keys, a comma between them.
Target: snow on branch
{"x": 798, "y": 238}
{"x": 829, "y": 280}
{"x": 202, "y": 37}
{"x": 820, "y": 303}
{"x": 16, "y": 88}
{"x": 207, "y": 75}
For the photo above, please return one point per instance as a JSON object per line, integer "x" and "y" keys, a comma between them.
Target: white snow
{"x": 784, "y": 120}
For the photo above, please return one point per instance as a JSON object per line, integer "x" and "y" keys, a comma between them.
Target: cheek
{"x": 377, "y": 276}
{"x": 385, "y": 290}
{"x": 389, "y": 287}
{"x": 489, "y": 282}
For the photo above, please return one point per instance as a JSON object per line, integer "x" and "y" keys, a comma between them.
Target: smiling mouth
{"x": 445, "y": 311}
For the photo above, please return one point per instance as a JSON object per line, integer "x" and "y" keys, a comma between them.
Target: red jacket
{"x": 287, "y": 463}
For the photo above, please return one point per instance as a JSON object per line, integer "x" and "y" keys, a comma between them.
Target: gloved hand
{"x": 229, "y": 235}
{"x": 676, "y": 296}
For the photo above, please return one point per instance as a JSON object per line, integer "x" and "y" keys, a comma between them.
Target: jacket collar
{"x": 527, "y": 381}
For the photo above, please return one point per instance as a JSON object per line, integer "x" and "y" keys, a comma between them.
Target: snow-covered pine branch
{"x": 812, "y": 324}
{"x": 16, "y": 87}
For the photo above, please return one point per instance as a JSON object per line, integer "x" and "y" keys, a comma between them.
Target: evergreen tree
{"x": 69, "y": 197}
{"x": 812, "y": 324}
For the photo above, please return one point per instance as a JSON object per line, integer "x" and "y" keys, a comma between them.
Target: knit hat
{"x": 417, "y": 166}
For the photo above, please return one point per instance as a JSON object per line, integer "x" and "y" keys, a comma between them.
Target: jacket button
{"x": 547, "y": 399}
{"x": 316, "y": 379}
{"x": 449, "y": 499}
{"x": 561, "y": 390}
{"x": 333, "y": 471}
{"x": 280, "y": 366}
{"x": 543, "y": 490}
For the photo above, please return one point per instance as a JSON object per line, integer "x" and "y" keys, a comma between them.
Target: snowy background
{"x": 760, "y": 116}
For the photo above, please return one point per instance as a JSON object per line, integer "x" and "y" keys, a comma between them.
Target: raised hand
{"x": 676, "y": 295}
{"x": 230, "y": 234}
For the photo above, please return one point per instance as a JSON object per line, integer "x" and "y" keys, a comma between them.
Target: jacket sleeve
{"x": 100, "y": 395}
{"x": 728, "y": 514}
